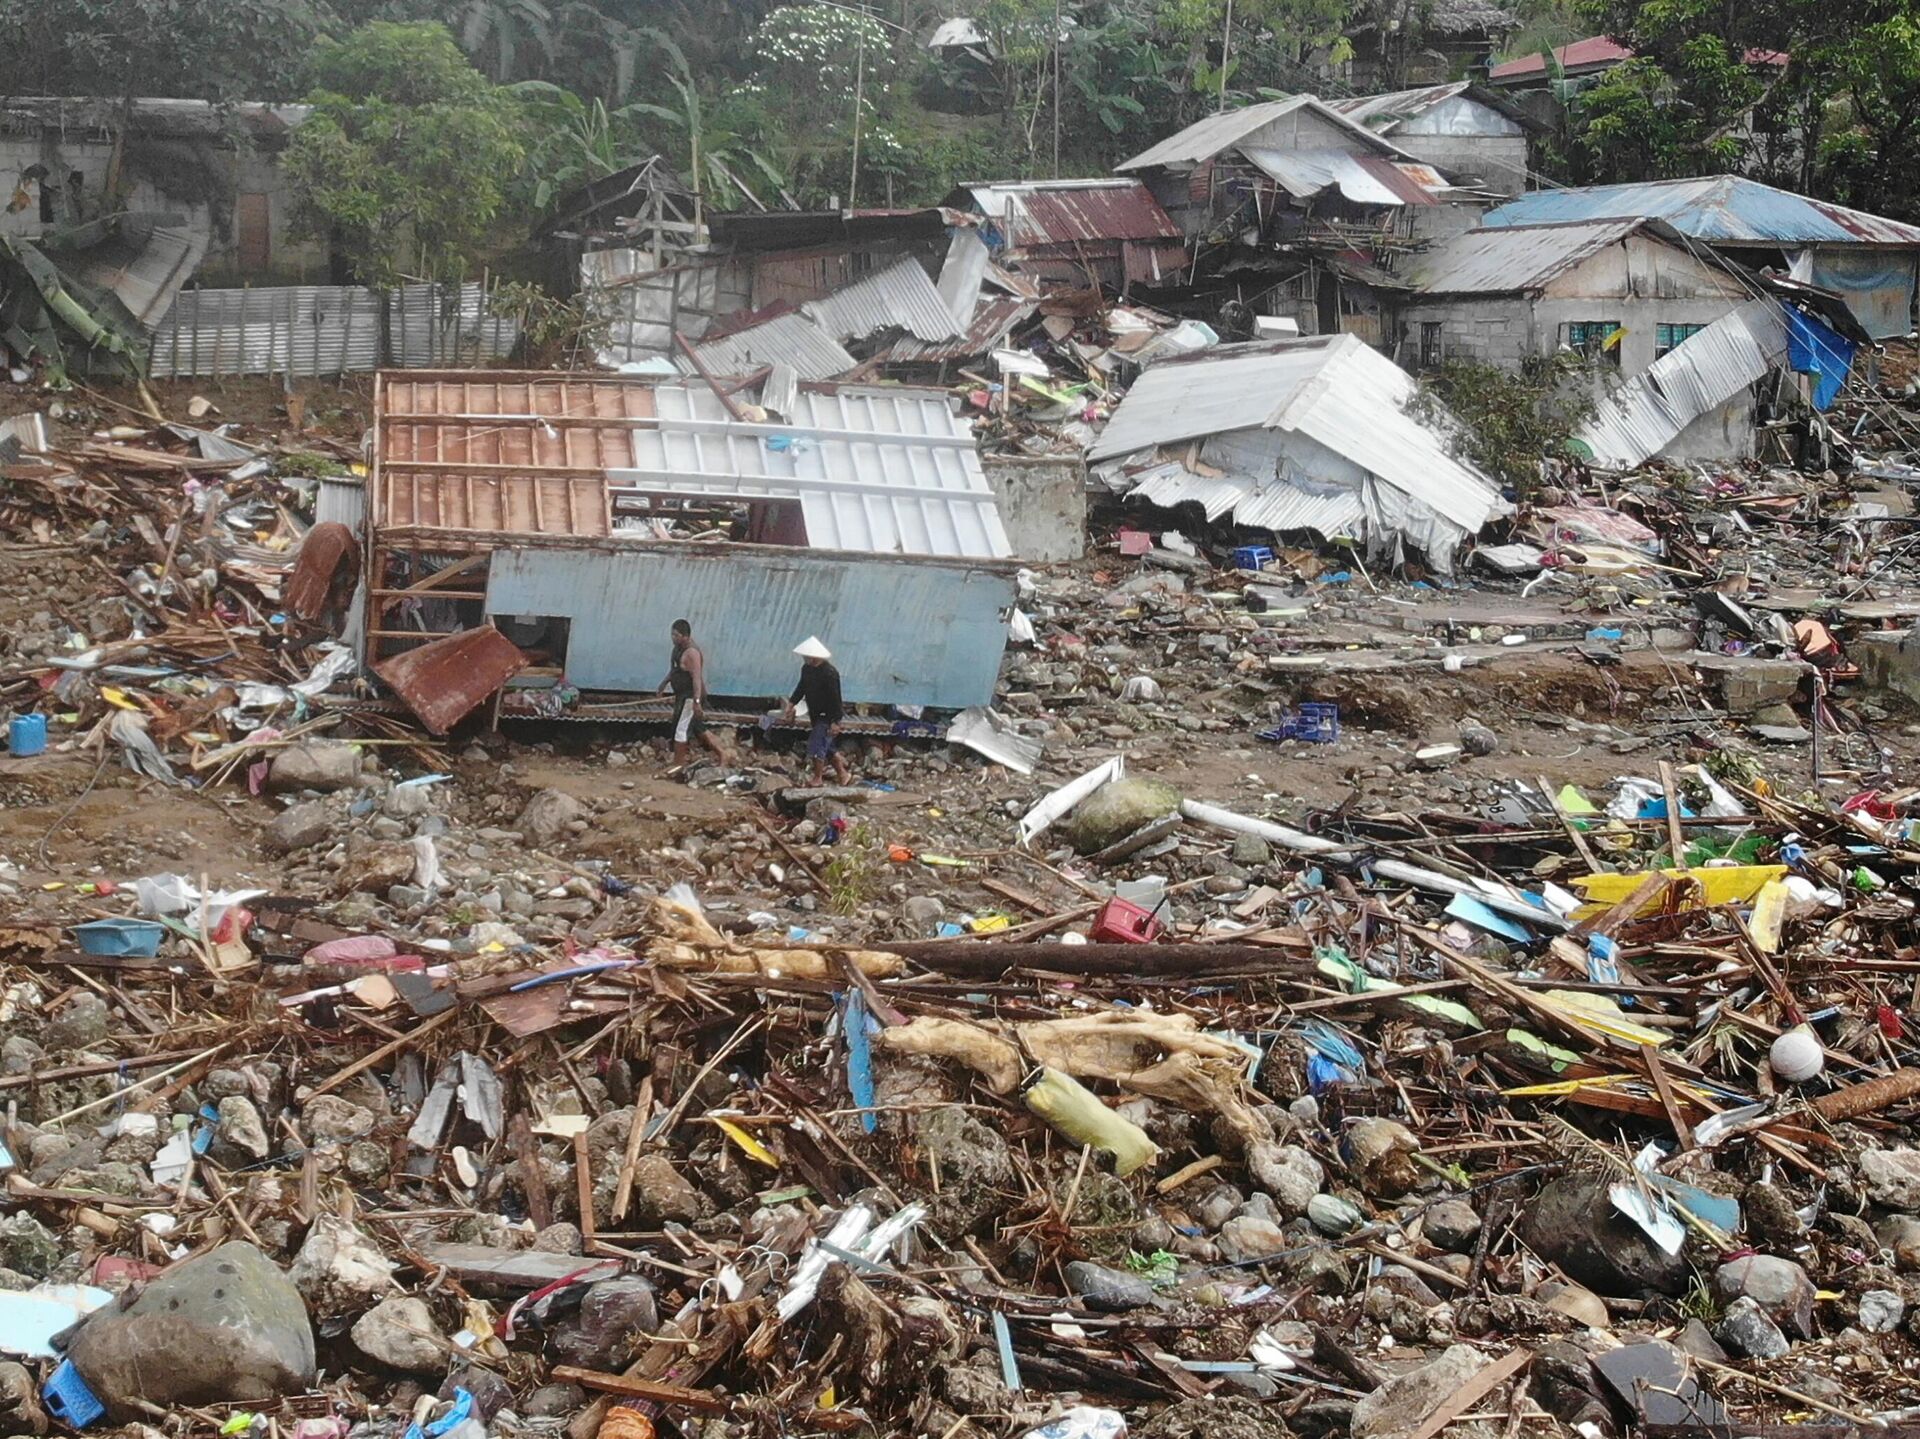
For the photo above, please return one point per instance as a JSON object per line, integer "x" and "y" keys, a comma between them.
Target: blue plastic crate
{"x": 1314, "y": 723}
{"x": 1252, "y": 557}
{"x": 69, "y": 1400}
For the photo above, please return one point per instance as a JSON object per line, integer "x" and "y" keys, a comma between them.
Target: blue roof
{"x": 1719, "y": 209}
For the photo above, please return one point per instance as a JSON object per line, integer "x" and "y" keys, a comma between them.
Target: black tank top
{"x": 682, "y": 679}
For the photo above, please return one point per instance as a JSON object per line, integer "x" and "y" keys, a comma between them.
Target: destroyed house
{"x": 1395, "y": 44}
{"x": 1078, "y": 232}
{"x": 1302, "y": 212}
{"x": 1462, "y": 128}
{"x": 1624, "y": 291}
{"x": 205, "y": 172}
{"x": 755, "y": 263}
{"x": 1313, "y": 436}
{"x": 1868, "y": 260}
{"x": 582, "y": 515}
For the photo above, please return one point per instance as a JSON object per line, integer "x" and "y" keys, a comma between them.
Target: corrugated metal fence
{"x": 327, "y": 330}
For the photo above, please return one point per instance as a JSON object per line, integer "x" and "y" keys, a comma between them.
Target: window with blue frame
{"x": 1597, "y": 339}
{"x": 1667, "y": 338}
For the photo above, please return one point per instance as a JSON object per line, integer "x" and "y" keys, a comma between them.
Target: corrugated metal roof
{"x": 1515, "y": 258}
{"x": 962, "y": 274}
{"x": 144, "y": 265}
{"x": 1305, "y": 173}
{"x": 1274, "y": 505}
{"x": 1643, "y": 416}
{"x": 1719, "y": 209}
{"x": 1382, "y": 111}
{"x": 1334, "y": 390}
{"x": 471, "y": 423}
{"x": 993, "y": 320}
{"x": 884, "y": 470}
{"x": 1204, "y": 139}
{"x": 900, "y": 297}
{"x": 1577, "y": 54}
{"x": 1073, "y": 212}
{"x": 790, "y": 339}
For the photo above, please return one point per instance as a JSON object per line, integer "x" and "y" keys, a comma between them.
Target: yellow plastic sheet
{"x": 1718, "y": 884}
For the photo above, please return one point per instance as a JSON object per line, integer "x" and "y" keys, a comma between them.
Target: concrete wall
{"x": 199, "y": 180}
{"x": 1642, "y": 283}
{"x": 1043, "y": 503}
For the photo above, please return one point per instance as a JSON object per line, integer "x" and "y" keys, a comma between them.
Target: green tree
{"x": 200, "y": 49}
{"x": 410, "y": 155}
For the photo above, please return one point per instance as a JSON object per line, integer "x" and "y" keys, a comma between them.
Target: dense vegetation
{"x": 449, "y": 121}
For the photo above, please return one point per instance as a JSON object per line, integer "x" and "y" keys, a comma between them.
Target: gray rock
{"x": 1900, "y": 1233}
{"x": 1245, "y": 1237}
{"x": 1478, "y": 740}
{"x": 1892, "y": 1177}
{"x": 339, "y": 1270}
{"x": 490, "y": 1392}
{"x": 1696, "y": 1339}
{"x": 1746, "y": 1329}
{"x": 407, "y": 801}
{"x": 974, "y": 1164}
{"x": 1333, "y": 1215}
{"x": 28, "y": 1247}
{"x": 1778, "y": 1286}
{"x": 329, "y": 1119}
{"x": 553, "y": 1401}
{"x": 661, "y": 1194}
{"x": 614, "y": 1316}
{"x": 83, "y": 1021}
{"x": 923, "y": 911}
{"x": 547, "y": 815}
{"x": 1573, "y": 1223}
{"x": 1218, "y": 1206}
{"x": 1881, "y": 1311}
{"x": 558, "y": 1238}
{"x": 1108, "y": 1289}
{"x": 401, "y": 1334}
{"x": 20, "y": 1411}
{"x": 301, "y": 827}
{"x": 225, "y": 1325}
{"x": 1287, "y": 1172}
{"x": 1405, "y": 1402}
{"x": 408, "y": 896}
{"x": 240, "y": 1129}
{"x": 1452, "y": 1224}
{"x": 1250, "y": 851}
{"x": 322, "y": 764}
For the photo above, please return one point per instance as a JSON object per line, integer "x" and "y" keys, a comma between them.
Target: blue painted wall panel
{"x": 920, "y": 632}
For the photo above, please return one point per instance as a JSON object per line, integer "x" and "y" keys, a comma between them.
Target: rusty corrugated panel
{"x": 327, "y": 565}
{"x": 993, "y": 320}
{"x": 476, "y": 422}
{"x": 445, "y": 680}
{"x": 1068, "y": 212}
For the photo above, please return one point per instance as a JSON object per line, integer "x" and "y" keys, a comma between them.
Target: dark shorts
{"x": 687, "y": 723}
{"x": 820, "y": 740}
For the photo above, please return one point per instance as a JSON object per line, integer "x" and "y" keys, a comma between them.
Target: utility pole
{"x": 1226, "y": 45}
{"x": 859, "y": 88}
{"x": 1056, "y": 89}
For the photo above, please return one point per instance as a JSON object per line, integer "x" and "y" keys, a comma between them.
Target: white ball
{"x": 1796, "y": 1055}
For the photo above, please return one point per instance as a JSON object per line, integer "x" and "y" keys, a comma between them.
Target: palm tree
{"x": 516, "y": 35}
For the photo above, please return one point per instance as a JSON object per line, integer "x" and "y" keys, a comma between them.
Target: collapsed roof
{"x": 1310, "y": 434}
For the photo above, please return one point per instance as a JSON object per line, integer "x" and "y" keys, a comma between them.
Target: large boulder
{"x": 227, "y": 1325}
{"x": 322, "y": 764}
{"x": 1573, "y": 1224}
{"x": 547, "y": 815}
{"x": 1116, "y": 810}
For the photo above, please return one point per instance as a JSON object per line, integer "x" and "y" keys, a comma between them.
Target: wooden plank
{"x": 1664, "y": 1088}
{"x": 510, "y": 1269}
{"x": 701, "y": 1401}
{"x": 1473, "y": 1391}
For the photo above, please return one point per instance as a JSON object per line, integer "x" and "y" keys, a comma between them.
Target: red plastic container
{"x": 1119, "y": 922}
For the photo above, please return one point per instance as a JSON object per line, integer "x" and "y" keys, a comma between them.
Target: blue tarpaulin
{"x": 1814, "y": 349}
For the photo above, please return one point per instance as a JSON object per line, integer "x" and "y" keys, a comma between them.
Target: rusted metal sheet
{"x": 324, "y": 571}
{"x": 476, "y": 424}
{"x": 1071, "y": 212}
{"x": 445, "y": 680}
